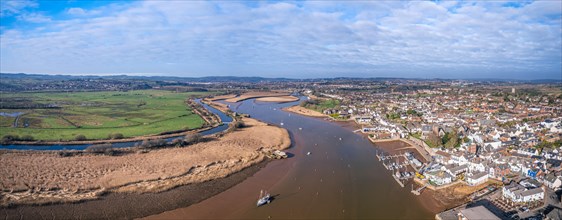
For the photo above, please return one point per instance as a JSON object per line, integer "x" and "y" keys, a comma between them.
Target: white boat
{"x": 263, "y": 199}
{"x": 308, "y": 153}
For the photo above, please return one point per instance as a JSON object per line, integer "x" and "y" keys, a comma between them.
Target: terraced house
{"x": 518, "y": 193}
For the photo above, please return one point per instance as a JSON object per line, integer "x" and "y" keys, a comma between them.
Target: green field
{"x": 98, "y": 114}
{"x": 320, "y": 105}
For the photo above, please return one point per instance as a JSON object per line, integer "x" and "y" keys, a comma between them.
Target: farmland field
{"x": 63, "y": 116}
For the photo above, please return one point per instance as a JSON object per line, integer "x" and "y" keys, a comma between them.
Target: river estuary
{"x": 341, "y": 178}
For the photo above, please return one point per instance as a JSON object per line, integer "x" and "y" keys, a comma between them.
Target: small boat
{"x": 308, "y": 153}
{"x": 282, "y": 124}
{"x": 300, "y": 129}
{"x": 263, "y": 199}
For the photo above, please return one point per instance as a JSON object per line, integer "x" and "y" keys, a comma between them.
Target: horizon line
{"x": 288, "y": 78}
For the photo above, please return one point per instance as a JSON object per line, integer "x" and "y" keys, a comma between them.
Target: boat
{"x": 308, "y": 153}
{"x": 263, "y": 199}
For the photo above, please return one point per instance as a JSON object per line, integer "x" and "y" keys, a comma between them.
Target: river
{"x": 341, "y": 178}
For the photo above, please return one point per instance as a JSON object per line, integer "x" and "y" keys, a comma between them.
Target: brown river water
{"x": 340, "y": 179}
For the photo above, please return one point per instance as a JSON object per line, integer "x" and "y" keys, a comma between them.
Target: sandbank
{"x": 304, "y": 111}
{"x": 279, "y": 99}
{"x": 31, "y": 177}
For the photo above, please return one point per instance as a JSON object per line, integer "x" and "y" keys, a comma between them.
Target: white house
{"x": 455, "y": 170}
{"x": 439, "y": 177}
{"x": 478, "y": 178}
{"x": 495, "y": 144}
{"x": 518, "y": 193}
{"x": 552, "y": 181}
{"x": 459, "y": 158}
{"x": 476, "y": 166}
{"x": 528, "y": 151}
{"x": 363, "y": 119}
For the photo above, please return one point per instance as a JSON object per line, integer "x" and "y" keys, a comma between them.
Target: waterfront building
{"x": 478, "y": 212}
{"x": 439, "y": 177}
{"x": 518, "y": 193}
{"x": 477, "y": 178}
{"x": 455, "y": 170}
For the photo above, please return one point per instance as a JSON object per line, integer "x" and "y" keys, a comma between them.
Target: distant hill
{"x": 248, "y": 79}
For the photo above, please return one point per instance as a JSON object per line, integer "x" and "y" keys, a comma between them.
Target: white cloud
{"x": 11, "y": 7}
{"x": 34, "y": 18}
{"x": 229, "y": 38}
{"x": 76, "y": 11}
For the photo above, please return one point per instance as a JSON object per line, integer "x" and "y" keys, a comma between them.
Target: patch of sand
{"x": 304, "y": 111}
{"x": 220, "y": 106}
{"x": 39, "y": 177}
{"x": 278, "y": 99}
{"x": 221, "y": 97}
{"x": 251, "y": 95}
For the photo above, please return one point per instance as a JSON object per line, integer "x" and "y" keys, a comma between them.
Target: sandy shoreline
{"x": 304, "y": 111}
{"x": 45, "y": 177}
{"x": 278, "y": 99}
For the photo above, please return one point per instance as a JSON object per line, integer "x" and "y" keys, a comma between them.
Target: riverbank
{"x": 303, "y": 111}
{"x": 45, "y": 177}
{"x": 433, "y": 201}
{"x": 212, "y": 102}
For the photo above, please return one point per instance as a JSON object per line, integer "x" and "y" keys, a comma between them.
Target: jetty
{"x": 398, "y": 181}
{"x": 417, "y": 192}
{"x": 409, "y": 160}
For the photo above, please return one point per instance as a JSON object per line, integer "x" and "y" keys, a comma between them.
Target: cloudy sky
{"x": 301, "y": 39}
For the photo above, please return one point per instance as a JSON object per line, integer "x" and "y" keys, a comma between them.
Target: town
{"x": 475, "y": 133}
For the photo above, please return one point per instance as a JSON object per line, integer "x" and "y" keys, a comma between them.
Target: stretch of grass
{"x": 321, "y": 105}
{"x": 98, "y": 114}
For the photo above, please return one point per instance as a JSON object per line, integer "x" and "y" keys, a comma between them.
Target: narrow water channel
{"x": 341, "y": 178}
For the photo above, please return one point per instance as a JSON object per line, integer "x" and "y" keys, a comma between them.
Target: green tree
{"x": 453, "y": 140}
{"x": 80, "y": 137}
{"x": 433, "y": 140}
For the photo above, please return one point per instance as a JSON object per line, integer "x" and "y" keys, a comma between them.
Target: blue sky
{"x": 296, "y": 39}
